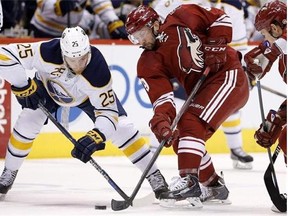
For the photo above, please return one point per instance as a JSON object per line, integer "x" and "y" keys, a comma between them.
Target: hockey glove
{"x": 215, "y": 54}
{"x": 62, "y": 7}
{"x": 174, "y": 140}
{"x": 266, "y": 136}
{"x": 30, "y": 95}
{"x": 88, "y": 144}
{"x": 117, "y": 30}
{"x": 160, "y": 125}
{"x": 260, "y": 59}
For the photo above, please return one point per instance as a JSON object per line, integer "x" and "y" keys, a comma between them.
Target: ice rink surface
{"x": 68, "y": 187}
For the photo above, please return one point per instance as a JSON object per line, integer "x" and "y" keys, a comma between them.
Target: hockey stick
{"x": 266, "y": 88}
{"x": 124, "y": 204}
{"x": 273, "y": 175}
{"x": 74, "y": 142}
{"x": 277, "y": 199}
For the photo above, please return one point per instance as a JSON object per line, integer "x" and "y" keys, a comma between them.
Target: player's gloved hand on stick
{"x": 215, "y": 54}
{"x": 260, "y": 59}
{"x": 93, "y": 141}
{"x": 267, "y": 136}
{"x": 160, "y": 125}
{"x": 30, "y": 95}
{"x": 117, "y": 30}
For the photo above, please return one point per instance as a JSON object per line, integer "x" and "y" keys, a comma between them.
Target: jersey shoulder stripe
{"x": 50, "y": 51}
{"x": 97, "y": 72}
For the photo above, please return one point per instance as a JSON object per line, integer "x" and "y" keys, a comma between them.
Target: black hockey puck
{"x": 100, "y": 207}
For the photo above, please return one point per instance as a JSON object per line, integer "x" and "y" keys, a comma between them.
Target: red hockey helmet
{"x": 140, "y": 17}
{"x": 270, "y": 12}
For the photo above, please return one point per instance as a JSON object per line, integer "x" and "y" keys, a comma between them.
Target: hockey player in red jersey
{"x": 271, "y": 22}
{"x": 191, "y": 39}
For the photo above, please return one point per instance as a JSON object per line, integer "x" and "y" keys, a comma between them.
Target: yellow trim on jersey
{"x": 57, "y": 8}
{"x": 48, "y": 23}
{"x": 238, "y": 44}
{"x": 20, "y": 145}
{"x": 233, "y": 123}
{"x": 104, "y": 6}
{"x": 114, "y": 25}
{"x": 134, "y": 147}
{"x": 4, "y": 57}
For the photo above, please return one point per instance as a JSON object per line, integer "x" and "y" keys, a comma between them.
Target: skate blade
{"x": 242, "y": 166}
{"x": 188, "y": 203}
{"x": 217, "y": 202}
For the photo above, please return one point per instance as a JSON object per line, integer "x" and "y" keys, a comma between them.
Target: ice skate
{"x": 217, "y": 194}
{"x": 158, "y": 183}
{"x": 6, "y": 181}
{"x": 241, "y": 160}
{"x": 184, "y": 193}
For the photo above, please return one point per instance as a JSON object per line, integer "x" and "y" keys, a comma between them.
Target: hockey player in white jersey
{"x": 232, "y": 126}
{"x": 53, "y": 16}
{"x": 69, "y": 73}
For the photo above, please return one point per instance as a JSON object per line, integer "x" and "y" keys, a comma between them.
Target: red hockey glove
{"x": 215, "y": 54}
{"x": 260, "y": 59}
{"x": 160, "y": 125}
{"x": 267, "y": 136}
{"x": 174, "y": 139}
{"x": 93, "y": 141}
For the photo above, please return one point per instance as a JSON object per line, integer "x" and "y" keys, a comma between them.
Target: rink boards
{"x": 122, "y": 60}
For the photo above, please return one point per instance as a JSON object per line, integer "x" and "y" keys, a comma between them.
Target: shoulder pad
{"x": 97, "y": 72}
{"x": 50, "y": 51}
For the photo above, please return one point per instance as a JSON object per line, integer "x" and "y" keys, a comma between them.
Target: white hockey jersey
{"x": 231, "y": 7}
{"x": 66, "y": 89}
{"x": 46, "y": 20}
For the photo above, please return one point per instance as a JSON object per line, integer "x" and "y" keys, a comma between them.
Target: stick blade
{"x": 117, "y": 205}
{"x": 277, "y": 199}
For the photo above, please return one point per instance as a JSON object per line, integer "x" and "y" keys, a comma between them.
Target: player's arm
{"x": 14, "y": 60}
{"x": 105, "y": 10}
{"x": 161, "y": 97}
{"x": 217, "y": 26}
{"x": 260, "y": 59}
{"x": 268, "y": 133}
{"x": 96, "y": 83}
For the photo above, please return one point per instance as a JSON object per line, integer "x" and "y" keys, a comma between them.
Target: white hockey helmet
{"x": 74, "y": 42}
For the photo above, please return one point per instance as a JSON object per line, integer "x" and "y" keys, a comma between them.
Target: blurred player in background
{"x": 53, "y": 16}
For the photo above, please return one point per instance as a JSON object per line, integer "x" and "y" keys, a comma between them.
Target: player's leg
{"x": 128, "y": 139}
{"x": 213, "y": 186}
{"x": 185, "y": 189}
{"x": 26, "y": 129}
{"x": 232, "y": 130}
